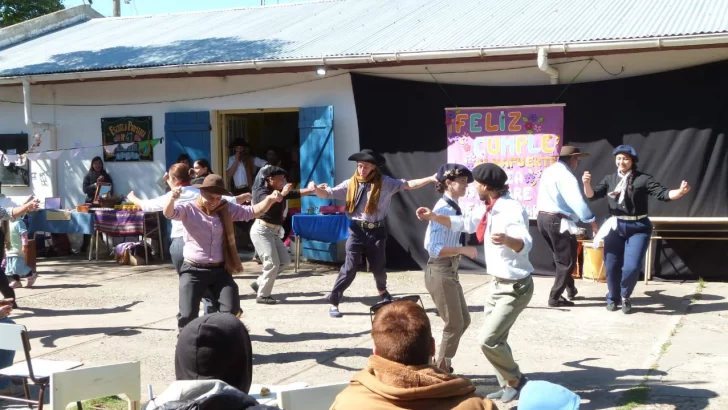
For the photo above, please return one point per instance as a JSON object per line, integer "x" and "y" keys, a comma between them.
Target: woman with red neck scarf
{"x": 627, "y": 232}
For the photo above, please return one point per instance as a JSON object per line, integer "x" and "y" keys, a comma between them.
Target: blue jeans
{"x": 6, "y": 358}
{"x": 624, "y": 253}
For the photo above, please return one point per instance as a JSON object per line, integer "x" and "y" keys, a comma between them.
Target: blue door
{"x": 316, "y": 128}
{"x": 316, "y": 131}
{"x": 189, "y": 133}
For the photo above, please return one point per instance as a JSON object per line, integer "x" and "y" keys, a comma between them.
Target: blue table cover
{"x": 79, "y": 223}
{"x": 322, "y": 228}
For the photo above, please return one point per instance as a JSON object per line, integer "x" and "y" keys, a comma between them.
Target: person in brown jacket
{"x": 400, "y": 373}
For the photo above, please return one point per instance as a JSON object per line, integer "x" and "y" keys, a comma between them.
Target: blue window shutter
{"x": 316, "y": 127}
{"x": 187, "y": 132}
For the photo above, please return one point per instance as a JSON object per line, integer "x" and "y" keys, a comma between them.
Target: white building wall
{"x": 143, "y": 98}
{"x": 156, "y": 97}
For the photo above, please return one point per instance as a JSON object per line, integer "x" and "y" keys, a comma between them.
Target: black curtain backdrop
{"x": 677, "y": 122}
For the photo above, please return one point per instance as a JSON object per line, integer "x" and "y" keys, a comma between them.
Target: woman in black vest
{"x": 627, "y": 232}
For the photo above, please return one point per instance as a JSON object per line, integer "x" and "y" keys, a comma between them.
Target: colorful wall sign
{"x": 133, "y": 136}
{"x": 523, "y": 140}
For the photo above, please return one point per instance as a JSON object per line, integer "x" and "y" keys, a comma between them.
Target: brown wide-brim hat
{"x": 572, "y": 151}
{"x": 213, "y": 184}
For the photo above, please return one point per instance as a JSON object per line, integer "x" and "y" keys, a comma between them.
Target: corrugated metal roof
{"x": 353, "y": 28}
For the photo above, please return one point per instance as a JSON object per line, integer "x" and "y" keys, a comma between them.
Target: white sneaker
{"x": 31, "y": 279}
{"x": 505, "y": 395}
{"x": 15, "y": 284}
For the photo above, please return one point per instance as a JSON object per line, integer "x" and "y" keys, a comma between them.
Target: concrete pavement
{"x": 101, "y": 313}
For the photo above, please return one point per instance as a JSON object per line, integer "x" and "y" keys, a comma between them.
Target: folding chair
{"x": 38, "y": 371}
{"x": 94, "y": 382}
{"x": 310, "y": 398}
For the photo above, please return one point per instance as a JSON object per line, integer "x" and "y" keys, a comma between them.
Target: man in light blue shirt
{"x": 445, "y": 245}
{"x": 560, "y": 203}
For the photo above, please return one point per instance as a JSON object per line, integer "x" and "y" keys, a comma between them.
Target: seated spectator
{"x": 541, "y": 395}
{"x": 213, "y": 366}
{"x": 6, "y": 356}
{"x": 400, "y": 373}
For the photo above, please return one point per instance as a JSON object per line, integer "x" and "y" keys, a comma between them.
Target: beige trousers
{"x": 443, "y": 284}
{"x": 506, "y": 300}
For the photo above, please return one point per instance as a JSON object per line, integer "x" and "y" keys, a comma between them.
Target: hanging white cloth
{"x": 54, "y": 154}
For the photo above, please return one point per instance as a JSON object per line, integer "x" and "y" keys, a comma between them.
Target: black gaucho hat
{"x": 491, "y": 175}
{"x": 452, "y": 171}
{"x": 238, "y": 142}
{"x": 367, "y": 155}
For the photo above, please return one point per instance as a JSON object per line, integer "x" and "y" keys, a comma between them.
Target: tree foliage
{"x": 17, "y": 11}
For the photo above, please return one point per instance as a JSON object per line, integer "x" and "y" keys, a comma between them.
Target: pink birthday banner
{"x": 523, "y": 140}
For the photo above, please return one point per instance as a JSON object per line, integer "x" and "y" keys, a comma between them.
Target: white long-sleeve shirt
{"x": 188, "y": 194}
{"x": 240, "y": 177}
{"x": 507, "y": 216}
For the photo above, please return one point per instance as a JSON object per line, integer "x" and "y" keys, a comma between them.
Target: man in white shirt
{"x": 507, "y": 242}
{"x": 559, "y": 204}
{"x": 241, "y": 166}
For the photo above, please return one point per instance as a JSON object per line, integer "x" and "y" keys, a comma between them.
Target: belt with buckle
{"x": 370, "y": 225}
{"x": 443, "y": 260}
{"x": 552, "y": 214}
{"x": 630, "y": 217}
{"x": 204, "y": 265}
{"x": 271, "y": 226}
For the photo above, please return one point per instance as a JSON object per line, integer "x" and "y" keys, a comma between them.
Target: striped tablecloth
{"x": 121, "y": 223}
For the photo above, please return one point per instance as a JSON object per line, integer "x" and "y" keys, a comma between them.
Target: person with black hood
{"x": 96, "y": 175}
{"x": 368, "y": 194}
{"x": 267, "y": 229}
{"x": 627, "y": 232}
{"x": 213, "y": 366}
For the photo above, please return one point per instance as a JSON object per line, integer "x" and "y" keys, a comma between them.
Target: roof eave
{"x": 408, "y": 57}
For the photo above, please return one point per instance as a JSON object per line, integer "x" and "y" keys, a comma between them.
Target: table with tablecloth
{"x": 117, "y": 222}
{"x": 322, "y": 228}
{"x": 59, "y": 221}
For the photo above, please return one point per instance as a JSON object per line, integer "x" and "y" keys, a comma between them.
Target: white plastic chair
{"x": 310, "y": 398}
{"x": 38, "y": 371}
{"x": 95, "y": 382}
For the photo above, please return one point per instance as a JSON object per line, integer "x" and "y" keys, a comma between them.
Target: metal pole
{"x": 117, "y": 8}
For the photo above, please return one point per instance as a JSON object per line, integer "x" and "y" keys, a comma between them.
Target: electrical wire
{"x": 333, "y": 76}
{"x": 572, "y": 81}
{"x": 607, "y": 71}
{"x": 188, "y": 99}
{"x": 471, "y": 71}
{"x": 442, "y": 88}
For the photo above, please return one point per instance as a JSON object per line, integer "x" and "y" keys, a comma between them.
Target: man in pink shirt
{"x": 210, "y": 255}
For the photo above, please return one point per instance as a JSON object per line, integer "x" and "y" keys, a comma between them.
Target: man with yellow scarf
{"x": 367, "y": 233}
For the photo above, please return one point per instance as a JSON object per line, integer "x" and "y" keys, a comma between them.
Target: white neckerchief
{"x": 621, "y": 186}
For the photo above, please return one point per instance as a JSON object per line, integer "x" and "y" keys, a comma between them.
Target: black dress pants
{"x": 564, "y": 247}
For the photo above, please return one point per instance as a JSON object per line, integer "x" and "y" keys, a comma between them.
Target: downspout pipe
{"x": 28, "y": 106}
{"x": 543, "y": 65}
{"x": 52, "y": 129}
